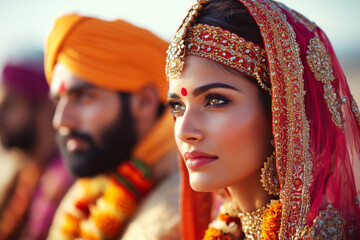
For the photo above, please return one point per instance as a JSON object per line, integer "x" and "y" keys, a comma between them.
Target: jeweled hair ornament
{"x": 216, "y": 44}
{"x": 176, "y": 51}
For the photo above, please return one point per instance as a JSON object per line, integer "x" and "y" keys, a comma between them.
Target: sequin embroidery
{"x": 294, "y": 164}
{"x": 355, "y": 109}
{"x": 329, "y": 224}
{"x": 319, "y": 62}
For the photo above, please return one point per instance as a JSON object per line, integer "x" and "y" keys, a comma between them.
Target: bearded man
{"x": 108, "y": 84}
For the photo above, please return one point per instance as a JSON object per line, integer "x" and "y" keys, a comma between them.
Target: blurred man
{"x": 108, "y": 84}
{"x": 25, "y": 124}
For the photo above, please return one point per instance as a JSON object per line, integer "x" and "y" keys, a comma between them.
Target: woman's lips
{"x": 196, "y": 159}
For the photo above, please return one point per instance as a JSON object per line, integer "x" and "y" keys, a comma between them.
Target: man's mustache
{"x": 74, "y": 134}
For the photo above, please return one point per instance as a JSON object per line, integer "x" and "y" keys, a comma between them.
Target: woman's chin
{"x": 204, "y": 184}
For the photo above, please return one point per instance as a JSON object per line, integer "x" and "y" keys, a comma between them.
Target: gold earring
{"x": 269, "y": 178}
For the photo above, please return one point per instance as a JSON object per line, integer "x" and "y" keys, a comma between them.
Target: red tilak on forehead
{"x": 183, "y": 92}
{"x": 62, "y": 87}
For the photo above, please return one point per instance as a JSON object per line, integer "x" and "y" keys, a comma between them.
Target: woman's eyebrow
{"x": 207, "y": 87}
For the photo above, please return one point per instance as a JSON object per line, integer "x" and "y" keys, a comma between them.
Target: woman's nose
{"x": 188, "y": 128}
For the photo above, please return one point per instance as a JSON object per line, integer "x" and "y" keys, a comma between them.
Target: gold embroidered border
{"x": 320, "y": 64}
{"x": 229, "y": 49}
{"x": 291, "y": 142}
{"x": 355, "y": 109}
{"x": 329, "y": 224}
{"x": 176, "y": 52}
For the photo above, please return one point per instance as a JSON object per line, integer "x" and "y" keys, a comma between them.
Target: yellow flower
{"x": 271, "y": 224}
{"x": 223, "y": 217}
{"x": 120, "y": 199}
{"x": 215, "y": 234}
{"x": 70, "y": 225}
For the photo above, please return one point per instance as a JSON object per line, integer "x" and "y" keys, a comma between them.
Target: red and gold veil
{"x": 316, "y": 129}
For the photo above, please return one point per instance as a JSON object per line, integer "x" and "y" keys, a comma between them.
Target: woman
{"x": 262, "y": 109}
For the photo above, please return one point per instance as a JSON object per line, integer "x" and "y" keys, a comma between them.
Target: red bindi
{"x": 183, "y": 92}
{"x": 62, "y": 87}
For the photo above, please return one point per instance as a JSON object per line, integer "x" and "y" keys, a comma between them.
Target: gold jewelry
{"x": 320, "y": 64}
{"x": 229, "y": 49}
{"x": 217, "y": 45}
{"x": 251, "y": 223}
{"x": 176, "y": 51}
{"x": 269, "y": 177}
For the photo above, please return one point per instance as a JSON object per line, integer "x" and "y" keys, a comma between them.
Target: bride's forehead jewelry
{"x": 176, "y": 51}
{"x": 229, "y": 49}
{"x": 218, "y": 45}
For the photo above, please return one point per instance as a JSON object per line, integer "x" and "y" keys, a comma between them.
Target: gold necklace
{"x": 251, "y": 222}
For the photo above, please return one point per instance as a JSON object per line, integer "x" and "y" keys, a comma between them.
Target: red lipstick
{"x": 196, "y": 159}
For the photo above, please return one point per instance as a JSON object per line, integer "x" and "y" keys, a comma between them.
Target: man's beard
{"x": 117, "y": 143}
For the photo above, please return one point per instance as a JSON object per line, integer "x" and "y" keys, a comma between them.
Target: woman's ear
{"x": 144, "y": 104}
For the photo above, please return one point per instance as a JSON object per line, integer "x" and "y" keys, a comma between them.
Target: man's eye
{"x": 216, "y": 100}
{"x": 84, "y": 97}
{"x": 176, "y": 108}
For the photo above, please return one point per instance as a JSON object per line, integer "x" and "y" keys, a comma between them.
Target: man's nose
{"x": 65, "y": 116}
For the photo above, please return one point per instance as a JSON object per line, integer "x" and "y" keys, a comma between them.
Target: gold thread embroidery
{"x": 229, "y": 49}
{"x": 176, "y": 51}
{"x": 291, "y": 143}
{"x": 355, "y": 109}
{"x": 319, "y": 62}
{"x": 329, "y": 224}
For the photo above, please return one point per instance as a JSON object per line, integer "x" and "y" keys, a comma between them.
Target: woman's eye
{"x": 216, "y": 100}
{"x": 176, "y": 108}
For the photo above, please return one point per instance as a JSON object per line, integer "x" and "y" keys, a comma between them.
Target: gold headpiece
{"x": 176, "y": 51}
{"x": 218, "y": 45}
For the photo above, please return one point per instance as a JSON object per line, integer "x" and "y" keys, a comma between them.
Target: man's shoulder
{"x": 158, "y": 214}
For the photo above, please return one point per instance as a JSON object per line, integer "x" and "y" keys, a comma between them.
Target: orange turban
{"x": 110, "y": 54}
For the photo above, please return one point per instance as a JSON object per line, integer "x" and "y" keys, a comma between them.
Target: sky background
{"x": 26, "y": 23}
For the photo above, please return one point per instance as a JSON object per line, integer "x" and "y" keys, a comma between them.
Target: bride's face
{"x": 221, "y": 128}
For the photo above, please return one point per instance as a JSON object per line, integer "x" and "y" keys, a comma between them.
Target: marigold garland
{"x": 215, "y": 234}
{"x": 70, "y": 225}
{"x": 104, "y": 217}
{"x": 271, "y": 223}
{"x": 227, "y": 225}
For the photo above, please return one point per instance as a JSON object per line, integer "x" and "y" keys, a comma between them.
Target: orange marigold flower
{"x": 215, "y": 234}
{"x": 109, "y": 224}
{"x": 271, "y": 224}
{"x": 228, "y": 219}
{"x": 83, "y": 205}
{"x": 120, "y": 199}
{"x": 223, "y": 217}
{"x": 89, "y": 235}
{"x": 70, "y": 225}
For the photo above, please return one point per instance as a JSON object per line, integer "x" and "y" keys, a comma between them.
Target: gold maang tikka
{"x": 176, "y": 51}
{"x": 218, "y": 45}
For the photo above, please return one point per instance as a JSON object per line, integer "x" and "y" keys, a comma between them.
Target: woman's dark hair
{"x": 232, "y": 15}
